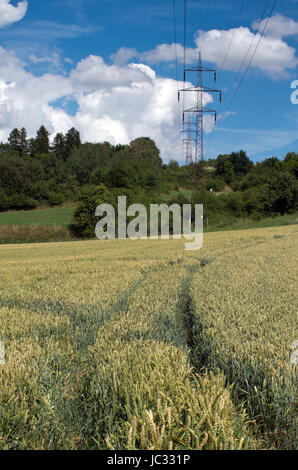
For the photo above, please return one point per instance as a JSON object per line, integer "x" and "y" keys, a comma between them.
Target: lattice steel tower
{"x": 193, "y": 121}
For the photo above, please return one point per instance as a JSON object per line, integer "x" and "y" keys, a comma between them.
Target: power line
{"x": 253, "y": 56}
{"x": 207, "y": 14}
{"x": 224, "y": 61}
{"x": 245, "y": 57}
{"x": 249, "y": 49}
{"x": 232, "y": 38}
{"x": 175, "y": 38}
{"x": 186, "y": 142}
{"x": 176, "y": 60}
{"x": 185, "y": 32}
{"x": 206, "y": 22}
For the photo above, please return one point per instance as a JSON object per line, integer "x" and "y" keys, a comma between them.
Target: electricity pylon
{"x": 193, "y": 122}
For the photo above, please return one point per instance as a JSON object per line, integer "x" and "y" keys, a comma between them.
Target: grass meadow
{"x": 141, "y": 345}
{"x": 56, "y": 216}
{"x": 51, "y": 224}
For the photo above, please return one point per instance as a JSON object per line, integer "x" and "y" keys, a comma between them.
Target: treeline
{"x": 33, "y": 171}
{"x": 36, "y": 172}
{"x": 258, "y": 190}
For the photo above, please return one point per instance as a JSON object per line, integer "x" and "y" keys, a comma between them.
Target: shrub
{"x": 21, "y": 201}
{"x": 3, "y": 200}
{"x": 216, "y": 184}
{"x": 84, "y": 221}
{"x": 55, "y": 199}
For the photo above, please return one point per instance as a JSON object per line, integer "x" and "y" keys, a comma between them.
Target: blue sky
{"x": 65, "y": 63}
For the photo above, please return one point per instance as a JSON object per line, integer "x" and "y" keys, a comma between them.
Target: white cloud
{"x": 10, "y": 14}
{"x": 167, "y": 53}
{"x": 53, "y": 59}
{"x": 161, "y": 53}
{"x": 273, "y": 57}
{"x": 278, "y": 27}
{"x": 141, "y": 104}
{"x": 121, "y": 102}
{"x": 123, "y": 55}
{"x": 115, "y": 103}
{"x": 93, "y": 73}
{"x": 24, "y": 98}
{"x": 145, "y": 69}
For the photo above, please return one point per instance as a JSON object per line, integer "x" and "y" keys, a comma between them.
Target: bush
{"x": 55, "y": 199}
{"x": 3, "y": 200}
{"x": 233, "y": 203}
{"x": 84, "y": 221}
{"x": 179, "y": 199}
{"x": 216, "y": 184}
{"x": 21, "y": 202}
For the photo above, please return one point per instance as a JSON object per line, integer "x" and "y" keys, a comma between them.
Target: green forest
{"x": 38, "y": 173}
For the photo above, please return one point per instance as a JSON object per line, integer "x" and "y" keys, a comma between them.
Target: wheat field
{"x": 141, "y": 345}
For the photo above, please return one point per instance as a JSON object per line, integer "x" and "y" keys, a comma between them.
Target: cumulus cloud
{"x": 278, "y": 27}
{"x": 114, "y": 103}
{"x": 120, "y": 102}
{"x": 10, "y": 14}
{"x": 167, "y": 53}
{"x": 138, "y": 103}
{"x": 161, "y": 53}
{"x": 25, "y": 99}
{"x": 123, "y": 55}
{"x": 274, "y": 56}
{"x": 93, "y": 73}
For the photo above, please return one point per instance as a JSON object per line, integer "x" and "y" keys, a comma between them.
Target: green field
{"x": 58, "y": 216}
{"x": 289, "y": 219}
{"x": 62, "y": 217}
{"x": 138, "y": 344}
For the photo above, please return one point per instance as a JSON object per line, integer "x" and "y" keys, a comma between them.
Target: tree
{"x": 4, "y": 201}
{"x": 144, "y": 147}
{"x": 220, "y": 162}
{"x": 284, "y": 191}
{"x": 241, "y": 163}
{"x": 85, "y": 159}
{"x": 98, "y": 175}
{"x": 272, "y": 163}
{"x": 12, "y": 174}
{"x": 291, "y": 163}
{"x": 42, "y": 141}
{"x": 122, "y": 174}
{"x": 59, "y": 146}
{"x": 224, "y": 168}
{"x": 4, "y": 147}
{"x": 228, "y": 172}
{"x": 84, "y": 220}
{"x": 23, "y": 142}
{"x": 72, "y": 140}
{"x": 18, "y": 141}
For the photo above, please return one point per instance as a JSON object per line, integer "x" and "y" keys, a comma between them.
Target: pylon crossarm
{"x": 199, "y": 111}
{"x": 200, "y": 69}
{"x": 199, "y": 89}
